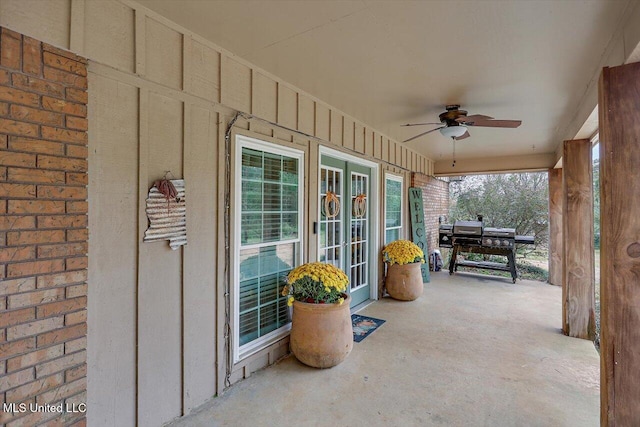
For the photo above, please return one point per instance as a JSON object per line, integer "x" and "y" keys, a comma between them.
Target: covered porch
{"x": 473, "y": 350}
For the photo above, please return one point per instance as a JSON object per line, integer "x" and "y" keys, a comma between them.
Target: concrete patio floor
{"x": 472, "y": 351}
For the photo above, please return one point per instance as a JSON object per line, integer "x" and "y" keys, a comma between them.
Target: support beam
{"x": 555, "y": 226}
{"x": 578, "y": 285}
{"x": 620, "y": 245}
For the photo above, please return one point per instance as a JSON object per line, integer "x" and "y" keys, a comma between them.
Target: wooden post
{"x": 619, "y": 107}
{"x": 555, "y": 227}
{"x": 578, "y": 285}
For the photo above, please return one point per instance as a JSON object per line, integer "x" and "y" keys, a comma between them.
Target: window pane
{"x": 272, "y": 227}
{"x": 392, "y": 235}
{"x": 251, "y": 196}
{"x": 251, "y": 231}
{"x": 289, "y": 226}
{"x": 251, "y": 164}
{"x": 272, "y": 200}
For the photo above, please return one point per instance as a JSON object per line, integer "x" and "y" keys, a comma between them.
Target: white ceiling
{"x": 392, "y": 62}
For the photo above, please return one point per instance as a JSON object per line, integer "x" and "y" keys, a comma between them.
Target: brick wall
{"x": 43, "y": 229}
{"x": 435, "y": 198}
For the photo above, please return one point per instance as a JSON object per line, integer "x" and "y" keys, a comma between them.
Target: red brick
{"x": 65, "y": 390}
{"x": 15, "y": 317}
{"x": 21, "y": 253}
{"x": 17, "y": 96}
{"x": 65, "y": 78}
{"x": 22, "y": 191}
{"x": 18, "y": 128}
{"x": 64, "y": 135}
{"x": 32, "y": 419}
{"x": 77, "y": 123}
{"x": 3, "y": 141}
{"x": 35, "y": 206}
{"x": 77, "y": 178}
{"x": 36, "y": 387}
{"x": 66, "y": 278}
{"x": 14, "y": 348}
{"x": 3, "y": 173}
{"x": 10, "y": 49}
{"x": 77, "y": 207}
{"x": 62, "y": 335}
{"x": 36, "y": 176}
{"x": 61, "y": 307}
{"x": 76, "y": 344}
{"x": 17, "y": 222}
{"x": 66, "y": 249}
{"x": 80, "y": 151}
{"x": 33, "y": 84}
{"x": 4, "y": 109}
{"x": 62, "y": 163}
{"x": 36, "y": 298}
{"x": 34, "y": 328}
{"x": 77, "y": 263}
{"x": 30, "y": 237}
{"x": 28, "y": 114}
{"x": 16, "y": 379}
{"x": 31, "y": 56}
{"x": 77, "y": 290}
{"x": 35, "y": 267}
{"x": 75, "y": 373}
{"x": 35, "y": 145}
{"x": 65, "y": 53}
{"x": 17, "y": 285}
{"x": 66, "y": 64}
{"x": 75, "y": 318}
{"x": 7, "y": 158}
{"x": 34, "y": 357}
{"x": 62, "y": 106}
{"x": 77, "y": 95}
{"x": 77, "y": 235}
{"x": 62, "y": 221}
{"x": 5, "y": 77}
{"x": 60, "y": 192}
{"x": 3, "y": 210}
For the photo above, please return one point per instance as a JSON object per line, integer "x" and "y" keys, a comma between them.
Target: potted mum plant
{"x": 321, "y": 331}
{"x": 403, "y": 280}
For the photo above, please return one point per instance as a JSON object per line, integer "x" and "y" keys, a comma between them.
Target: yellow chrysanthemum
{"x": 402, "y": 252}
{"x": 317, "y": 282}
{"x": 290, "y": 301}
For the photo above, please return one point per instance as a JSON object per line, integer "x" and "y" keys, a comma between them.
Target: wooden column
{"x": 578, "y": 286}
{"x": 620, "y": 245}
{"x": 555, "y": 227}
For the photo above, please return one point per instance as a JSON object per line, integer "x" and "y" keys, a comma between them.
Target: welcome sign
{"x": 418, "y": 231}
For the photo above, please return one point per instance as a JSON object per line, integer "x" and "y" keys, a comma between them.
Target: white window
{"x": 268, "y": 223}
{"x": 392, "y": 208}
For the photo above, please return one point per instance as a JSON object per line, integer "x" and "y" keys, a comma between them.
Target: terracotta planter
{"x": 404, "y": 282}
{"x": 321, "y": 334}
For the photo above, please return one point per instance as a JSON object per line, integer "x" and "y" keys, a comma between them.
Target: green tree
{"x": 517, "y": 201}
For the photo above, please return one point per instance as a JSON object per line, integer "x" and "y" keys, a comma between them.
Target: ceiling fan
{"x": 456, "y": 121}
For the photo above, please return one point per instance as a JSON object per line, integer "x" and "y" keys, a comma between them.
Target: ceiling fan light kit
{"x": 453, "y": 131}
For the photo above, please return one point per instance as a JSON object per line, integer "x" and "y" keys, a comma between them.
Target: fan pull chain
{"x": 453, "y": 165}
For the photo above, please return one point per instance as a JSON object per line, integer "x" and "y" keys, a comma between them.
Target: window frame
{"x": 400, "y": 179}
{"x": 241, "y": 141}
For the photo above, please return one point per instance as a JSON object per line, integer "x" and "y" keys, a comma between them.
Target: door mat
{"x": 363, "y": 326}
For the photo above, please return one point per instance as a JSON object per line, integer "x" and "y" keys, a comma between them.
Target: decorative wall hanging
{"x": 330, "y": 205}
{"x": 166, "y": 210}
{"x": 360, "y": 206}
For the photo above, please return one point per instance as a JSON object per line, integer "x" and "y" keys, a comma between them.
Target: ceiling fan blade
{"x": 495, "y": 123}
{"x": 472, "y": 118}
{"x": 420, "y": 124}
{"x": 463, "y": 136}
{"x": 423, "y": 133}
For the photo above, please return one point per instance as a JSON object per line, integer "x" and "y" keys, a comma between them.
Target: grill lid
{"x": 509, "y": 233}
{"x": 467, "y": 228}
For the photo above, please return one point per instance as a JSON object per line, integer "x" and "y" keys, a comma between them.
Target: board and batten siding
{"x": 160, "y": 98}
